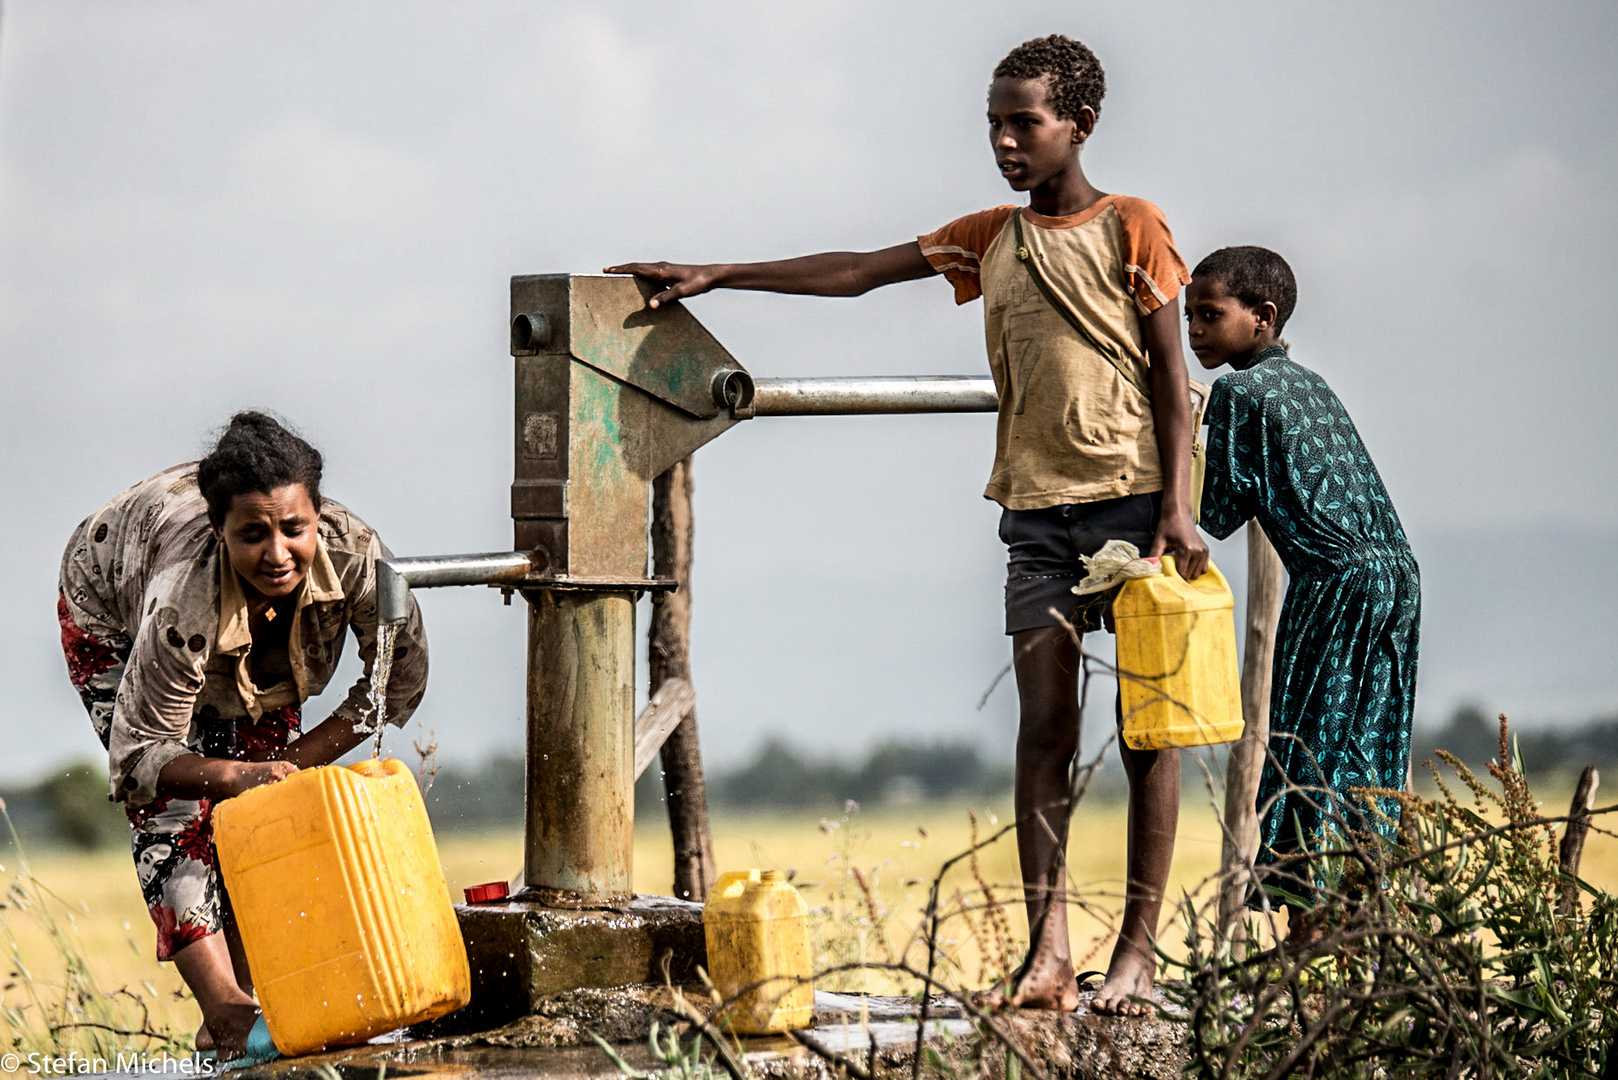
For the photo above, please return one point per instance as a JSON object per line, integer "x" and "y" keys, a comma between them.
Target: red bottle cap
{"x": 483, "y": 894}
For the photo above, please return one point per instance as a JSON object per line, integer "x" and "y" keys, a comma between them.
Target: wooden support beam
{"x": 669, "y": 653}
{"x": 1578, "y": 827}
{"x": 1265, "y": 585}
{"x": 672, "y": 703}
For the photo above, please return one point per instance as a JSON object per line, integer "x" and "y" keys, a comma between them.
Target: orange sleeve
{"x": 1154, "y": 269}
{"x": 956, "y": 250}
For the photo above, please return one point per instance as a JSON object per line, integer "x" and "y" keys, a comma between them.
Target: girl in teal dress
{"x": 1282, "y": 449}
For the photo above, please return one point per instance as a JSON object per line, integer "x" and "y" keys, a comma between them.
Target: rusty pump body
{"x": 609, "y": 394}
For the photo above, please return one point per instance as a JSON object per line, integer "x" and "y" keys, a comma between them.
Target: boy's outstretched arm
{"x": 1171, "y": 411}
{"x": 831, "y": 273}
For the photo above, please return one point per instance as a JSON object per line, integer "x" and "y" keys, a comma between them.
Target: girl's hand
{"x": 682, "y": 280}
{"x": 252, "y": 774}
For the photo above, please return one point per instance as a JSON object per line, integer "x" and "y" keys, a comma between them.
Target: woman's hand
{"x": 682, "y": 280}
{"x": 252, "y": 774}
{"x": 192, "y": 776}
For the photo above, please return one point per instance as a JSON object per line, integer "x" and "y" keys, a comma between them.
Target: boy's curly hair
{"x": 1076, "y": 78}
{"x": 1253, "y": 275}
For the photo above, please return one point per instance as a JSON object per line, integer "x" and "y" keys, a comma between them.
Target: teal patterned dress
{"x": 1282, "y": 449}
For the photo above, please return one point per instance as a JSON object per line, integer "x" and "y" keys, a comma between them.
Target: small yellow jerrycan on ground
{"x": 757, "y": 927}
{"x": 342, "y": 905}
{"x": 1177, "y": 660}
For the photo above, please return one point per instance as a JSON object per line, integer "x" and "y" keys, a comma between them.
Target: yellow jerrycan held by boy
{"x": 757, "y": 928}
{"x": 342, "y": 904}
{"x": 1177, "y": 660}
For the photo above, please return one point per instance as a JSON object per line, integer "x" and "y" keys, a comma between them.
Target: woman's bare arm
{"x": 330, "y": 740}
{"x": 831, "y": 273}
{"x": 192, "y": 776}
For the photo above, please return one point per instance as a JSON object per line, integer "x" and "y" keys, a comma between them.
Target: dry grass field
{"x": 898, "y": 850}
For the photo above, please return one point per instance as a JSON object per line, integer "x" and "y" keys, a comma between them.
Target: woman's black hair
{"x": 255, "y": 453}
{"x": 1253, "y": 275}
{"x": 1076, "y": 78}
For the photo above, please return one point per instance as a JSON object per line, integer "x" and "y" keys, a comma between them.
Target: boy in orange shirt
{"x": 1093, "y": 443}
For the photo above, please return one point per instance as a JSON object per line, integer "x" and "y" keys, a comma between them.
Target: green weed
{"x": 1441, "y": 954}
{"x": 76, "y": 1014}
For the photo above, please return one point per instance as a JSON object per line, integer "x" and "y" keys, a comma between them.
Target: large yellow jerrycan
{"x": 1177, "y": 660}
{"x": 757, "y": 927}
{"x": 342, "y": 905}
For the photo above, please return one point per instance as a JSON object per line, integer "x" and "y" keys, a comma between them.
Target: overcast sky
{"x": 316, "y": 208}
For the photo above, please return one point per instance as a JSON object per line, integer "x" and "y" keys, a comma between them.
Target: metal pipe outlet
{"x": 872, "y": 394}
{"x": 396, "y": 577}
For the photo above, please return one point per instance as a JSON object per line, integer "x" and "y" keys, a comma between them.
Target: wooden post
{"x": 1265, "y": 585}
{"x": 669, "y": 649}
{"x": 1578, "y": 827}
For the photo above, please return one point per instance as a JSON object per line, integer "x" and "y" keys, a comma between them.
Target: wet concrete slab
{"x": 555, "y": 1042}
{"x": 523, "y": 952}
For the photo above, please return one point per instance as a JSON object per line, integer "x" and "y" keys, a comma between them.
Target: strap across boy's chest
{"x": 1072, "y": 428}
{"x": 1084, "y": 266}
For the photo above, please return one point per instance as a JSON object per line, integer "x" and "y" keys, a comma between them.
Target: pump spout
{"x": 395, "y": 577}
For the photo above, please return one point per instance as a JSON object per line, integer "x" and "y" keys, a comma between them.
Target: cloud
{"x": 603, "y": 80}
{"x": 1505, "y": 226}
{"x": 313, "y": 172}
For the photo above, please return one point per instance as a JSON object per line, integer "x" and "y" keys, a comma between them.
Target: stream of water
{"x": 381, "y": 667}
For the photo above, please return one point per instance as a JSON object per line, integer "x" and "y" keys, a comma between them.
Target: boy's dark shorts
{"x": 1043, "y": 549}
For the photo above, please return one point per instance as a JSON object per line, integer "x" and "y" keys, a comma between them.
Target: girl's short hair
{"x": 1253, "y": 275}
{"x": 1076, "y": 78}
{"x": 255, "y": 453}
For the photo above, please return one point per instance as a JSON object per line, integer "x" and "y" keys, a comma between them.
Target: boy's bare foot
{"x": 994, "y": 998}
{"x": 204, "y": 1040}
{"x": 1128, "y": 977}
{"x": 1046, "y": 983}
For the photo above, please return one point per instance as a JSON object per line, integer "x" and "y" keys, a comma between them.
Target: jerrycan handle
{"x": 732, "y": 883}
{"x": 375, "y": 769}
{"x": 1211, "y": 581}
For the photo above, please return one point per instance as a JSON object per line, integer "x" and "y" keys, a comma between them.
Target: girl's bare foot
{"x": 1128, "y": 977}
{"x": 230, "y": 1027}
{"x": 204, "y": 1040}
{"x": 1305, "y": 927}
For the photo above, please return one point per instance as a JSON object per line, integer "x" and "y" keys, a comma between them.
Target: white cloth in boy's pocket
{"x": 1118, "y": 561}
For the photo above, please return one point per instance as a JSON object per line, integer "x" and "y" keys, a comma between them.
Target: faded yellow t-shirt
{"x": 1071, "y": 429}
